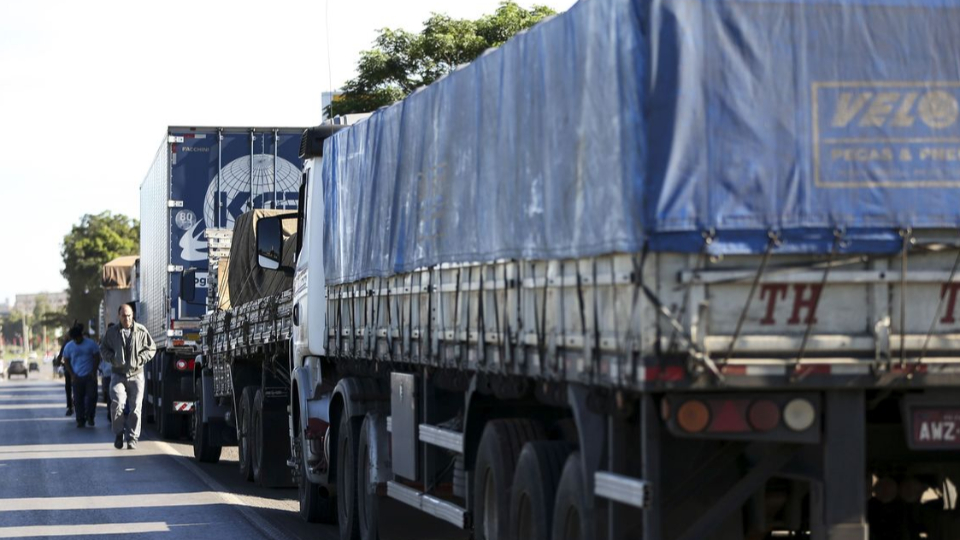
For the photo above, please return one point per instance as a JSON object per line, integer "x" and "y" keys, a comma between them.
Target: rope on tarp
{"x": 936, "y": 313}
{"x": 773, "y": 240}
{"x": 837, "y": 242}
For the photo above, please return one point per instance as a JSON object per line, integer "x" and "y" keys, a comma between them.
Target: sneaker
{"x": 132, "y": 444}
{"x": 118, "y": 442}
{"x": 90, "y": 422}
{"x": 69, "y": 411}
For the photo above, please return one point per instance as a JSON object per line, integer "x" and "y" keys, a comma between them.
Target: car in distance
{"x": 18, "y": 367}
{"x": 34, "y": 366}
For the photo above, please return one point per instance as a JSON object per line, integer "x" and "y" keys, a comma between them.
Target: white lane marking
{"x": 51, "y": 405}
{"x": 105, "y": 453}
{"x": 146, "y": 500}
{"x": 56, "y": 447}
{"x": 257, "y": 521}
{"x": 55, "y": 419}
{"x": 67, "y": 451}
{"x": 37, "y": 531}
{"x": 32, "y": 397}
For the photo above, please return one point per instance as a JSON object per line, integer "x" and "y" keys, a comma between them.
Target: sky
{"x": 87, "y": 90}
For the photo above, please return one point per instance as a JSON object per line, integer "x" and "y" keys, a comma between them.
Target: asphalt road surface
{"x": 60, "y": 481}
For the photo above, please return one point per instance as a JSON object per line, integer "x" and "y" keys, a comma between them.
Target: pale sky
{"x": 88, "y": 88}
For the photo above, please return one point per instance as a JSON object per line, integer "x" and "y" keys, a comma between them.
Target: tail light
{"x": 184, "y": 365}
{"x": 763, "y": 416}
{"x": 693, "y": 416}
{"x": 799, "y": 414}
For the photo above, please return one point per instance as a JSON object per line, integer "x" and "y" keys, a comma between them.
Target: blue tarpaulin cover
{"x": 628, "y": 123}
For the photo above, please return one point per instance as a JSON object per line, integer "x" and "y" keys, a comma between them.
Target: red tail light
{"x": 184, "y": 365}
{"x": 764, "y": 415}
{"x": 693, "y": 416}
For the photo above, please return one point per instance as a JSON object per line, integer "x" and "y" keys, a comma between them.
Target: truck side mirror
{"x": 269, "y": 243}
{"x": 188, "y": 284}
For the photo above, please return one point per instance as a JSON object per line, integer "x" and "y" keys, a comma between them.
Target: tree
{"x": 401, "y": 62}
{"x": 94, "y": 242}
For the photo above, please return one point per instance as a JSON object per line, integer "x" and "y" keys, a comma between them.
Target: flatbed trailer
{"x": 665, "y": 270}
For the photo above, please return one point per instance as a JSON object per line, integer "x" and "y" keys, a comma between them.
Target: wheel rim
{"x": 490, "y": 517}
{"x": 571, "y": 522}
{"x": 525, "y": 517}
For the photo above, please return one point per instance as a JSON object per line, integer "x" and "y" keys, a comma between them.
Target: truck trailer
{"x": 672, "y": 270}
{"x": 119, "y": 283}
{"x": 201, "y": 177}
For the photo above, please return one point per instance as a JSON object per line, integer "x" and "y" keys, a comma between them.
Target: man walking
{"x": 127, "y": 346}
{"x": 80, "y": 359}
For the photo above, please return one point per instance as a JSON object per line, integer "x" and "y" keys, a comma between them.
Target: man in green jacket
{"x": 128, "y": 347}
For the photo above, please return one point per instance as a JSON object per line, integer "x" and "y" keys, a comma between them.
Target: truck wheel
{"x": 347, "y": 515}
{"x": 203, "y": 451}
{"x": 171, "y": 425}
{"x": 270, "y": 446}
{"x": 496, "y": 462}
{"x": 535, "y": 488}
{"x": 368, "y": 501}
{"x": 244, "y": 419}
{"x": 315, "y": 507}
{"x": 570, "y": 518}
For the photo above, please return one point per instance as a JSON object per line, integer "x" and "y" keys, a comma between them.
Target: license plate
{"x": 935, "y": 428}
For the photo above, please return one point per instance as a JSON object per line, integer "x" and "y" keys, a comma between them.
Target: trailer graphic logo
{"x": 236, "y": 197}
{"x": 887, "y": 134}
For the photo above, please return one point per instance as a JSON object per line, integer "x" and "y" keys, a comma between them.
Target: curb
{"x": 251, "y": 515}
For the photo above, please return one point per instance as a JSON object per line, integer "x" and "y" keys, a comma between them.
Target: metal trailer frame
{"x": 553, "y": 330}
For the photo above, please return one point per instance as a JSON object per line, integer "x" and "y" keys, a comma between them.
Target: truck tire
{"x": 368, "y": 504}
{"x": 244, "y": 432}
{"x": 535, "y": 489}
{"x": 347, "y": 443}
{"x": 171, "y": 424}
{"x": 497, "y": 456}
{"x": 315, "y": 506}
{"x": 571, "y": 520}
{"x": 203, "y": 451}
{"x": 271, "y": 443}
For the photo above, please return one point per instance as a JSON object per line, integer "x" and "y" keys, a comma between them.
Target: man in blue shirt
{"x": 81, "y": 357}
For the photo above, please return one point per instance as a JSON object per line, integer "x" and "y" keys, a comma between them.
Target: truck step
{"x": 428, "y": 504}
{"x": 622, "y": 489}
{"x": 444, "y": 438}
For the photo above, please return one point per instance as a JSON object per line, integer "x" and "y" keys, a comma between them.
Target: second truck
{"x": 201, "y": 177}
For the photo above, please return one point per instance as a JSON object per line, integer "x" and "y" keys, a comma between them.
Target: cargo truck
{"x": 671, "y": 270}
{"x": 118, "y": 279}
{"x": 201, "y": 177}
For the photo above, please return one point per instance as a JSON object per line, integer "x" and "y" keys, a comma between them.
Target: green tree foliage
{"x": 12, "y": 328}
{"x": 401, "y": 62}
{"x": 94, "y": 242}
{"x": 43, "y": 316}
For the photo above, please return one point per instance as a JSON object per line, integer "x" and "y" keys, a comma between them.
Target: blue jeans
{"x": 85, "y": 396}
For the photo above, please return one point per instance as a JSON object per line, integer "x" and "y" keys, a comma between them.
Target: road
{"x": 60, "y": 481}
